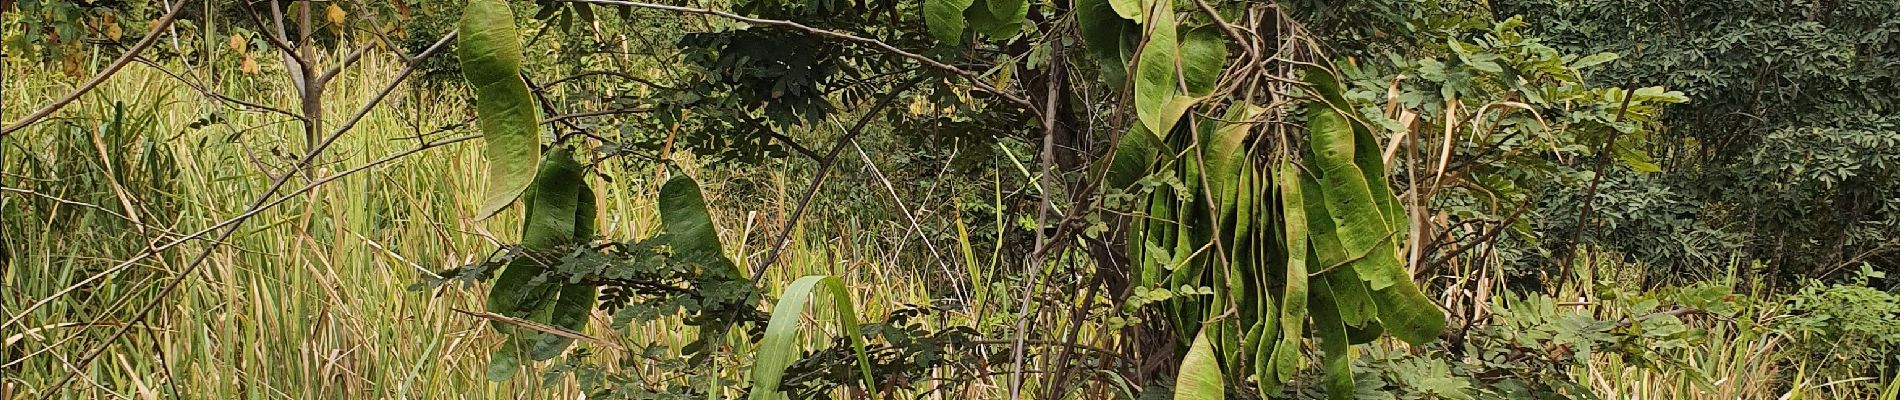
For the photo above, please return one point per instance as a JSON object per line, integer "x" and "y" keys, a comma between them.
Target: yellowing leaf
{"x": 334, "y": 14}
{"x": 1200, "y": 377}
{"x": 113, "y": 31}
{"x": 238, "y": 43}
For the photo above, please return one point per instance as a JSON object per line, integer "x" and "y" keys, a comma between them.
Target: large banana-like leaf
{"x": 780, "y": 346}
{"x": 490, "y": 49}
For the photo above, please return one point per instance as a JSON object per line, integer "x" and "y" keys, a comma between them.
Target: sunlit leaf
{"x": 490, "y": 52}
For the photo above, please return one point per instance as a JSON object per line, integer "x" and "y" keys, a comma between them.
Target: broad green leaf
{"x": 945, "y": 19}
{"x": 998, "y": 19}
{"x": 1293, "y": 306}
{"x": 575, "y": 300}
{"x": 1102, "y": 35}
{"x": 490, "y": 49}
{"x": 1224, "y": 151}
{"x": 1134, "y": 157}
{"x": 557, "y": 191}
{"x": 1355, "y": 303}
{"x": 548, "y": 225}
{"x": 1361, "y": 227}
{"x": 1200, "y": 377}
{"x": 1336, "y": 357}
{"x": 503, "y": 363}
{"x": 522, "y": 290}
{"x": 1130, "y": 9}
{"x": 1203, "y": 57}
{"x": 1364, "y": 334}
{"x": 1408, "y": 314}
{"x": 779, "y": 347}
{"x": 1593, "y": 60}
{"x": 1156, "y": 77}
{"x": 690, "y": 228}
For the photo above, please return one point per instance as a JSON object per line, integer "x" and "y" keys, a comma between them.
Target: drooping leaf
{"x": 690, "y": 228}
{"x": 490, "y": 50}
{"x": 945, "y": 19}
{"x": 1293, "y": 300}
{"x": 1156, "y": 77}
{"x": 1336, "y": 357}
{"x": 576, "y": 300}
{"x": 780, "y": 345}
{"x": 1350, "y": 155}
{"x": 1224, "y": 152}
{"x": 522, "y": 290}
{"x": 1203, "y": 57}
{"x": 557, "y": 190}
{"x": 1408, "y": 314}
{"x": 548, "y": 225}
{"x": 1134, "y": 157}
{"x": 1358, "y": 220}
{"x": 1102, "y": 35}
{"x": 1200, "y": 377}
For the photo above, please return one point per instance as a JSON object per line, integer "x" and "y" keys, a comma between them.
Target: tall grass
{"x": 312, "y": 298}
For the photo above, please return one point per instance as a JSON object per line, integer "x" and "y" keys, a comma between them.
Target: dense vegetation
{"x": 1132, "y": 199}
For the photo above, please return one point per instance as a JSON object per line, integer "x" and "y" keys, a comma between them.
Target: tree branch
{"x": 113, "y": 68}
{"x": 880, "y": 45}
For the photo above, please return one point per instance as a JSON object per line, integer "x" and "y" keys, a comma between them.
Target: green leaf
{"x": 1203, "y": 57}
{"x": 1102, "y": 35}
{"x": 553, "y": 211}
{"x": 1361, "y": 227}
{"x": 490, "y": 50}
{"x": 1156, "y": 82}
{"x": 1130, "y": 9}
{"x": 1408, "y": 314}
{"x": 576, "y": 300}
{"x": 1593, "y": 60}
{"x": 690, "y": 228}
{"x": 998, "y": 19}
{"x": 1336, "y": 357}
{"x": 945, "y": 19}
{"x": 1134, "y": 157}
{"x": 1200, "y": 377}
{"x": 1294, "y": 194}
{"x": 553, "y": 202}
{"x": 503, "y": 363}
{"x": 780, "y": 345}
